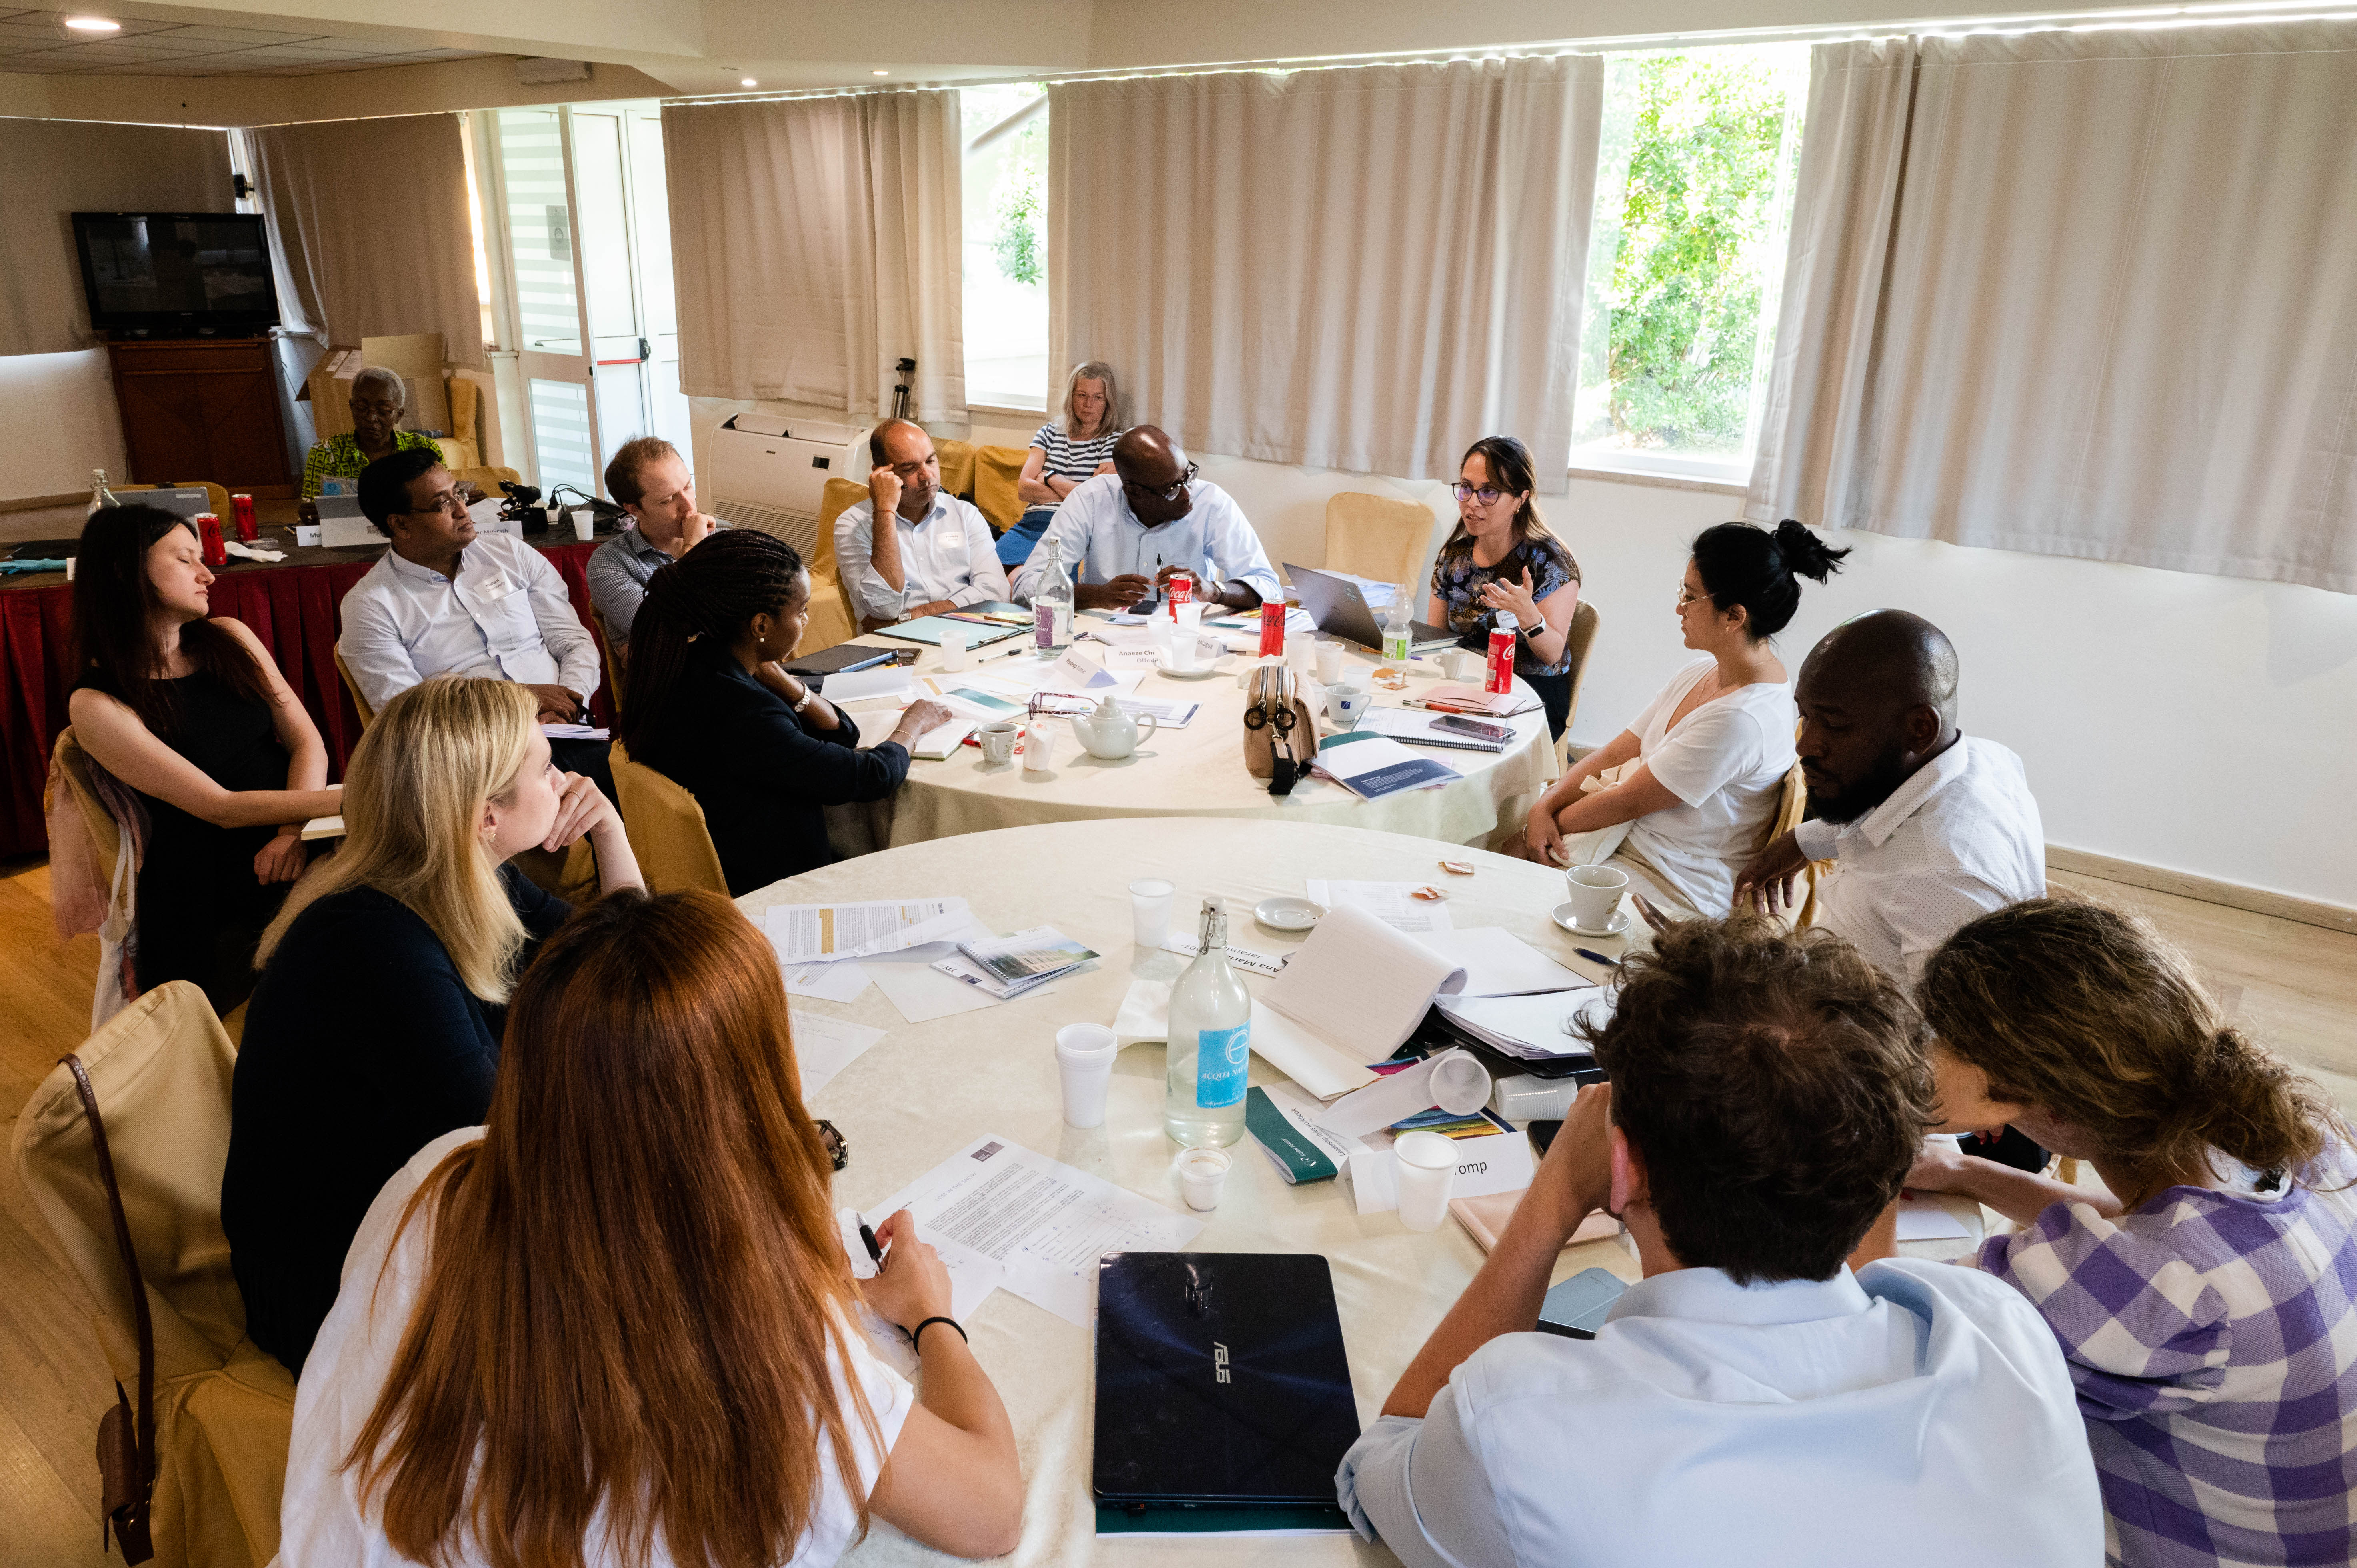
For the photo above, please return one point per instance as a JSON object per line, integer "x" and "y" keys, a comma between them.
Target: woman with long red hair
{"x": 616, "y": 1325}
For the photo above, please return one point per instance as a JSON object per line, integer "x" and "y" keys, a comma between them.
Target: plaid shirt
{"x": 339, "y": 457}
{"x": 2212, "y": 1337}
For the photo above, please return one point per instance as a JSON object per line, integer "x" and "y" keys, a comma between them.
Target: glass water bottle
{"x": 1210, "y": 1035}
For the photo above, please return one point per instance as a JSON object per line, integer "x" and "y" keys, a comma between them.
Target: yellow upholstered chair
{"x": 666, "y": 828}
{"x": 615, "y": 654}
{"x": 957, "y": 467}
{"x": 832, "y": 619}
{"x": 359, "y": 703}
{"x": 485, "y": 480}
{"x": 161, "y": 1072}
{"x": 996, "y": 473}
{"x": 1381, "y": 537}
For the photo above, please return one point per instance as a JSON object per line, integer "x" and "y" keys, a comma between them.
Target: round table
{"x": 924, "y": 1092}
{"x": 1198, "y": 771}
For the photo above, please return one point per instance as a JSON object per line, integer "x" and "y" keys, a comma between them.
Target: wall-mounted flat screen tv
{"x": 177, "y": 274}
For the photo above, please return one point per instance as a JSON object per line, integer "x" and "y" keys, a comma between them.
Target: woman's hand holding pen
{"x": 911, "y": 1283}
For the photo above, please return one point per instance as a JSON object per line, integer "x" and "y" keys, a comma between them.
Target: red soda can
{"x": 243, "y": 507}
{"x": 1502, "y": 657}
{"x": 1182, "y": 591}
{"x": 208, "y": 534}
{"x": 1272, "y": 627}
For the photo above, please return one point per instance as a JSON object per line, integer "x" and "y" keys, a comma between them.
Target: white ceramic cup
{"x": 1330, "y": 663}
{"x": 306, "y": 535}
{"x": 1425, "y": 1166}
{"x": 1084, "y": 1054}
{"x": 585, "y": 523}
{"x": 1596, "y": 895}
{"x": 998, "y": 742}
{"x": 1038, "y": 747}
{"x": 1150, "y": 899}
{"x": 954, "y": 650}
{"x": 1347, "y": 703}
{"x": 1462, "y": 665}
{"x": 1201, "y": 1174}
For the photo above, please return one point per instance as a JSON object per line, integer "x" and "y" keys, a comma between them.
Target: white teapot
{"x": 1110, "y": 733}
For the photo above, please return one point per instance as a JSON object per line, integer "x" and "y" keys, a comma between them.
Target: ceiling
{"x": 38, "y": 43}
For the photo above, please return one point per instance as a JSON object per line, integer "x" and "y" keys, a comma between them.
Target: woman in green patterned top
{"x": 378, "y": 399}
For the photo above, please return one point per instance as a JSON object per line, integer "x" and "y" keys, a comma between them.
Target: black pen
{"x": 1591, "y": 955}
{"x": 875, "y": 1253}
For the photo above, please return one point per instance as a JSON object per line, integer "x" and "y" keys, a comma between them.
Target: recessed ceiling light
{"x": 747, "y": 82}
{"x": 883, "y": 73}
{"x": 92, "y": 24}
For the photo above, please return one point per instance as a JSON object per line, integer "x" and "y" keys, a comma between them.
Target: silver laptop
{"x": 1340, "y": 609}
{"x": 185, "y": 503}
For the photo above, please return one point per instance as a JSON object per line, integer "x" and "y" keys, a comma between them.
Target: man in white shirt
{"x": 444, "y": 600}
{"x": 1132, "y": 529}
{"x": 1749, "y": 1400}
{"x": 1928, "y": 827}
{"x": 940, "y": 556}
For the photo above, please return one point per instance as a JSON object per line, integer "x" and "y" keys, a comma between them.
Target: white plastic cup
{"x": 1084, "y": 1054}
{"x": 1462, "y": 665}
{"x": 1038, "y": 747}
{"x": 1150, "y": 899}
{"x": 1425, "y": 1164}
{"x": 1596, "y": 895}
{"x": 1202, "y": 1173}
{"x": 1189, "y": 617}
{"x": 585, "y": 523}
{"x": 1460, "y": 1085}
{"x": 1330, "y": 663}
{"x": 998, "y": 742}
{"x": 1185, "y": 651}
{"x": 954, "y": 650}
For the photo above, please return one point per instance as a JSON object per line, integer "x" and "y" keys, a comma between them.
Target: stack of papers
{"x": 1419, "y": 728}
{"x": 1531, "y": 1028}
{"x": 1372, "y": 766}
{"x": 1006, "y": 967}
{"x": 815, "y": 933}
{"x": 1473, "y": 700}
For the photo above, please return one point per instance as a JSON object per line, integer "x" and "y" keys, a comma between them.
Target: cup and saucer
{"x": 1594, "y": 908}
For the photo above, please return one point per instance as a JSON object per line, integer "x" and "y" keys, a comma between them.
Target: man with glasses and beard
{"x": 1928, "y": 827}
{"x": 1132, "y": 529}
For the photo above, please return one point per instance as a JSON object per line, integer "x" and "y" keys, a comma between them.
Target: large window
{"x": 1005, "y": 244}
{"x": 1694, "y": 192}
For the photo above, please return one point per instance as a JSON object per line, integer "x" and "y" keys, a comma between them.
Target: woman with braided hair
{"x": 705, "y": 704}
{"x": 2207, "y": 1304}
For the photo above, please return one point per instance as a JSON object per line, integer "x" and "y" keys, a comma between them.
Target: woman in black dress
{"x": 192, "y": 713}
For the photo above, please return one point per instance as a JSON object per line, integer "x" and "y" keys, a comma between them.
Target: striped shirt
{"x": 2212, "y": 1337}
{"x": 1071, "y": 459}
{"x": 340, "y": 457}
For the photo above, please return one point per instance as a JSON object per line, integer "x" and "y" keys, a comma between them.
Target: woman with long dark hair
{"x": 706, "y": 703}
{"x": 1503, "y": 559}
{"x": 192, "y": 713}
{"x": 616, "y": 1324}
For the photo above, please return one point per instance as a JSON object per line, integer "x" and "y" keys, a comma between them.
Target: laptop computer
{"x": 1222, "y": 1380}
{"x": 185, "y": 503}
{"x": 1340, "y": 609}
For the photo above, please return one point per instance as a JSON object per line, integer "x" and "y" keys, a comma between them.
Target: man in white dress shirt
{"x": 1749, "y": 1400}
{"x": 1928, "y": 827}
{"x": 940, "y": 556}
{"x": 1132, "y": 529}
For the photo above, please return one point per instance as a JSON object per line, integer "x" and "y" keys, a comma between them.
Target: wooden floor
{"x": 2294, "y": 986}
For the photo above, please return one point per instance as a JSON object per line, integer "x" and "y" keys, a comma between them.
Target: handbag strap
{"x": 144, "y": 1442}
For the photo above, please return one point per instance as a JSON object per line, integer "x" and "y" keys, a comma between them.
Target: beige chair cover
{"x": 666, "y": 829}
{"x": 998, "y": 473}
{"x": 832, "y": 619}
{"x": 1382, "y": 537}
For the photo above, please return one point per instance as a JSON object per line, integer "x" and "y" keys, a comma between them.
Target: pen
{"x": 1595, "y": 957}
{"x": 875, "y": 1253}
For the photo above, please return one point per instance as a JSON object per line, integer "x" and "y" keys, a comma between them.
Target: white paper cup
{"x": 585, "y": 523}
{"x": 1084, "y": 1054}
{"x": 1202, "y": 1173}
{"x": 1347, "y": 703}
{"x": 1038, "y": 747}
{"x": 1425, "y": 1163}
{"x": 1185, "y": 650}
{"x": 1189, "y": 617}
{"x": 1460, "y": 1085}
{"x": 1596, "y": 895}
{"x": 1150, "y": 899}
{"x": 998, "y": 742}
{"x": 953, "y": 650}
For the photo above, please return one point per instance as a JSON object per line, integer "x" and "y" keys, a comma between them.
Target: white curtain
{"x": 2087, "y": 294}
{"x": 369, "y": 221}
{"x": 1365, "y": 268}
{"x": 816, "y": 243}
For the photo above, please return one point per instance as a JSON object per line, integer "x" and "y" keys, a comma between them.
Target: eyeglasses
{"x": 1687, "y": 596}
{"x": 1164, "y": 492}
{"x": 449, "y": 500}
{"x": 1487, "y": 495}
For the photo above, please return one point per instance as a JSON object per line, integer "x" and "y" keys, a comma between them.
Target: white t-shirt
{"x": 320, "y": 1520}
{"x": 1726, "y": 761}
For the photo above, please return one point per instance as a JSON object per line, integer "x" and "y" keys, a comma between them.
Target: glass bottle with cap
{"x": 1210, "y": 1043}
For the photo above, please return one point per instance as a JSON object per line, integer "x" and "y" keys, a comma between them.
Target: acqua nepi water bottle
{"x": 1210, "y": 1032}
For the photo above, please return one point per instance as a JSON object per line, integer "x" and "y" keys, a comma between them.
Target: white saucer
{"x": 1201, "y": 671}
{"x": 1561, "y": 916}
{"x": 1288, "y": 913}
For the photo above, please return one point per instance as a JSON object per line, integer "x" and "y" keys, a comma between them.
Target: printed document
{"x": 821, "y": 933}
{"x": 1392, "y": 903}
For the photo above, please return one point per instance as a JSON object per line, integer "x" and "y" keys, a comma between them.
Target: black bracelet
{"x": 917, "y": 1334}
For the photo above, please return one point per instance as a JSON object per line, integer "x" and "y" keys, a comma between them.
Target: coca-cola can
{"x": 1272, "y": 627}
{"x": 1182, "y": 591}
{"x": 209, "y": 534}
{"x": 243, "y": 507}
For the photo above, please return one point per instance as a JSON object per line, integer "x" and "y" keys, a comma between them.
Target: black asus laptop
{"x": 1221, "y": 1381}
{"x": 1335, "y": 603}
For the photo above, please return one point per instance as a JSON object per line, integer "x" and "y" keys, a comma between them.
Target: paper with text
{"x": 811, "y": 933}
{"x": 1392, "y": 903}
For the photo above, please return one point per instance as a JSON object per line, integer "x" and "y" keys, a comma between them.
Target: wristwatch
{"x": 810, "y": 695}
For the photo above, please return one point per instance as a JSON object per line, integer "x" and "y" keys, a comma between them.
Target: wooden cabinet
{"x": 202, "y": 409}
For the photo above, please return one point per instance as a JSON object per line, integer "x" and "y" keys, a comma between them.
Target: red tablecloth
{"x": 293, "y": 609}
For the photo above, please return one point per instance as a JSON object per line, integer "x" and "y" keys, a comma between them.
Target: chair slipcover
{"x": 997, "y": 471}
{"x": 666, "y": 829}
{"x": 832, "y": 617}
{"x": 957, "y": 467}
{"x": 1382, "y": 537}
{"x": 224, "y": 1408}
{"x": 359, "y": 703}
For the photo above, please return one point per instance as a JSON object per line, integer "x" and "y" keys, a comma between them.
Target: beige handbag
{"x": 1280, "y": 732}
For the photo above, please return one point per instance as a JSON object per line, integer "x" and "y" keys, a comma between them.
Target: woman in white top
{"x": 616, "y": 1326}
{"x": 1687, "y": 794}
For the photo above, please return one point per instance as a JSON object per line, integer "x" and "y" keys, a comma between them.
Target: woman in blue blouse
{"x": 1502, "y": 558}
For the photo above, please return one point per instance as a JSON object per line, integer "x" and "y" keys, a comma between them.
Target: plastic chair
{"x": 957, "y": 467}
{"x": 224, "y": 1408}
{"x": 359, "y": 703}
{"x": 1381, "y": 537}
{"x": 998, "y": 473}
{"x": 832, "y": 620}
{"x": 666, "y": 828}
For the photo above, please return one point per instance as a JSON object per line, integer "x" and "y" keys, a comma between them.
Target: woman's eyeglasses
{"x": 1164, "y": 492}
{"x": 1487, "y": 495}
{"x": 1687, "y": 596}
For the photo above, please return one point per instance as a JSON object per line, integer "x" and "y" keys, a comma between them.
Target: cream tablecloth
{"x": 923, "y": 1092}
{"x": 1198, "y": 771}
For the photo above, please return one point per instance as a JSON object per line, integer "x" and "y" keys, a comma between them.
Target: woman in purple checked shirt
{"x": 2207, "y": 1304}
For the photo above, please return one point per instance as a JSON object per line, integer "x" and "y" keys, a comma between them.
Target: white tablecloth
{"x": 923, "y": 1092}
{"x": 1198, "y": 771}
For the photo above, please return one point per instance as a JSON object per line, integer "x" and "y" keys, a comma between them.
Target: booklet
{"x": 1453, "y": 699}
{"x": 1354, "y": 991}
{"x": 1370, "y": 766}
{"x": 1028, "y": 958}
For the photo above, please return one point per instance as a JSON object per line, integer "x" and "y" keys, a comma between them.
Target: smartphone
{"x": 1480, "y": 728}
{"x": 1578, "y": 1307}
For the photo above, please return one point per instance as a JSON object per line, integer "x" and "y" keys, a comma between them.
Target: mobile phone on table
{"x": 1481, "y": 729}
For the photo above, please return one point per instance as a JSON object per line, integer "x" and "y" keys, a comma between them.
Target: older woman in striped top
{"x": 1062, "y": 455}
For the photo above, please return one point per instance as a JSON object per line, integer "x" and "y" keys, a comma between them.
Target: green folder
{"x": 1298, "y": 1159}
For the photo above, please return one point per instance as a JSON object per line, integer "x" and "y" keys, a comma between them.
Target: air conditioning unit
{"x": 770, "y": 473}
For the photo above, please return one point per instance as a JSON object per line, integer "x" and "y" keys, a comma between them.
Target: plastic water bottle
{"x": 1051, "y": 607}
{"x": 1211, "y": 1035}
{"x": 1393, "y": 673}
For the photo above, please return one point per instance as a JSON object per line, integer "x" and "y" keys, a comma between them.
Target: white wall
{"x": 58, "y": 414}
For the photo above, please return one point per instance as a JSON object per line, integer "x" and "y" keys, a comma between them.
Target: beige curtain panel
{"x": 816, "y": 242}
{"x": 2079, "y": 294}
{"x": 1365, "y": 268}
{"x": 369, "y": 220}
